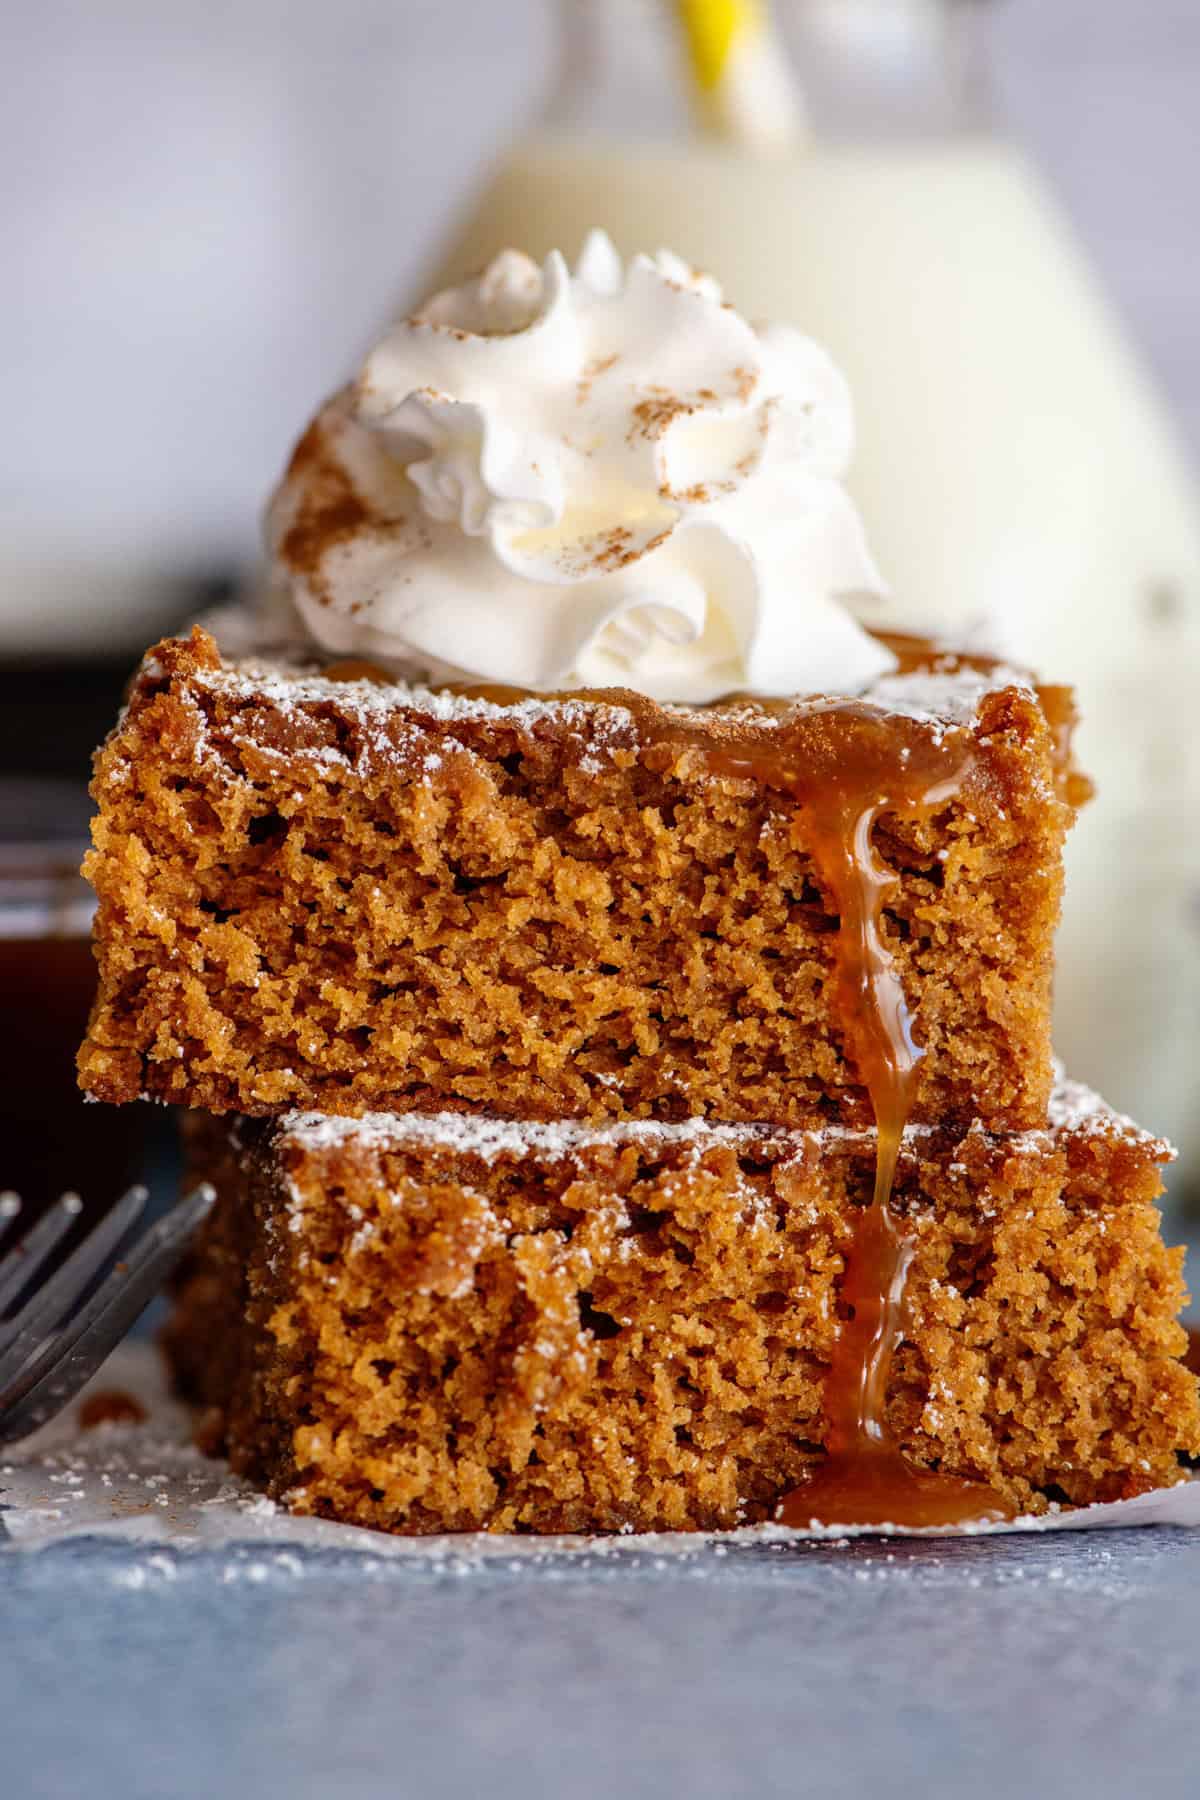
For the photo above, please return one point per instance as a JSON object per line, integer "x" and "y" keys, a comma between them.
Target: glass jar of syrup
{"x": 51, "y": 1141}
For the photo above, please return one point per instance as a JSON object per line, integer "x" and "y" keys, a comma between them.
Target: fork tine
{"x": 24, "y": 1260}
{"x": 44, "y": 1309}
{"x": 56, "y": 1375}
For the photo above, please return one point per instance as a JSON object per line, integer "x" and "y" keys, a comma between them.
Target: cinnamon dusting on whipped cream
{"x": 333, "y": 513}
{"x": 590, "y": 478}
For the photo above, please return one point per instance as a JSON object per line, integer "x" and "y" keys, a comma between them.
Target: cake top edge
{"x": 943, "y": 690}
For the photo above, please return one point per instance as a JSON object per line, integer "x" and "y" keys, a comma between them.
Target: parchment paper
{"x": 148, "y": 1484}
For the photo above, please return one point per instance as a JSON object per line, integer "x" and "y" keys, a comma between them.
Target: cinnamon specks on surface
{"x": 700, "y": 493}
{"x": 656, "y": 413}
{"x": 609, "y": 550}
{"x": 599, "y": 365}
{"x": 745, "y": 382}
{"x": 330, "y": 513}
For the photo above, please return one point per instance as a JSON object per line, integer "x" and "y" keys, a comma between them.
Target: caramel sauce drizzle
{"x": 846, "y": 764}
{"x": 862, "y": 764}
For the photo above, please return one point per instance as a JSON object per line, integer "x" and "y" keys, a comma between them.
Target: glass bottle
{"x": 1015, "y": 467}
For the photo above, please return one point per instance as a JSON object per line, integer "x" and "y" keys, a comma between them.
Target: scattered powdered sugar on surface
{"x": 148, "y": 1486}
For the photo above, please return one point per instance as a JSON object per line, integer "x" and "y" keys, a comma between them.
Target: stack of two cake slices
{"x": 537, "y": 1050}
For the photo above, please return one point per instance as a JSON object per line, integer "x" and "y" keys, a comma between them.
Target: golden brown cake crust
{"x": 342, "y": 896}
{"x": 444, "y": 1324}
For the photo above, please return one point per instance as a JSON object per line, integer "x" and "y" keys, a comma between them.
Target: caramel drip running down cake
{"x": 609, "y": 966}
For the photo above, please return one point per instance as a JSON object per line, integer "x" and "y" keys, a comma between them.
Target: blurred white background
{"x": 209, "y": 205}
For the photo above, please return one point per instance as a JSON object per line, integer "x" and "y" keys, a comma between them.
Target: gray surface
{"x": 1009, "y": 1667}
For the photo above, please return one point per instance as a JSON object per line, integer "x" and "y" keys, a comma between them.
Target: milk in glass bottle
{"x": 1017, "y": 472}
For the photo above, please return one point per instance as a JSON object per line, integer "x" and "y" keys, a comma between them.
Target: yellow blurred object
{"x": 740, "y": 74}
{"x": 713, "y": 27}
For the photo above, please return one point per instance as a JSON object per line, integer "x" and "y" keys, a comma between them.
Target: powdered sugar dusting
{"x": 942, "y": 695}
{"x": 1074, "y": 1109}
{"x": 298, "y": 685}
{"x": 947, "y": 693}
{"x": 491, "y": 1138}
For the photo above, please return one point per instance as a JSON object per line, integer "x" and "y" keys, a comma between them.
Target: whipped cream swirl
{"x": 606, "y": 477}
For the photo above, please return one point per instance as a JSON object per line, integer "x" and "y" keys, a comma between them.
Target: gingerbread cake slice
{"x": 332, "y": 890}
{"x": 439, "y": 1322}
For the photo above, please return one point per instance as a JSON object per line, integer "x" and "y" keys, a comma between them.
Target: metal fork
{"x": 53, "y": 1335}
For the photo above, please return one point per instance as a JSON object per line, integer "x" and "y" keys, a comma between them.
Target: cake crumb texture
{"x": 631, "y": 1331}
{"x": 346, "y": 896}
